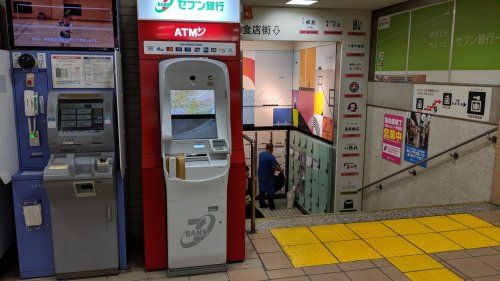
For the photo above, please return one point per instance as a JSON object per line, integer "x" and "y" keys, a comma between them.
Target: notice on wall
{"x": 464, "y": 102}
{"x": 392, "y": 140}
{"x": 82, "y": 71}
{"x": 417, "y": 137}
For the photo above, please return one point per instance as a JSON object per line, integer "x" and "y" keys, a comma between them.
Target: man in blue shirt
{"x": 267, "y": 166}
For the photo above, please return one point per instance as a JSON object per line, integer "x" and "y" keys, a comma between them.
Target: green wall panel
{"x": 393, "y": 42}
{"x": 430, "y": 37}
{"x": 477, "y": 35}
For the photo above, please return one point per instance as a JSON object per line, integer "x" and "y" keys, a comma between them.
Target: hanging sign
{"x": 392, "y": 140}
{"x": 189, "y": 10}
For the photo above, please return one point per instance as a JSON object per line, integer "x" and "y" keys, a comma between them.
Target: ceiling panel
{"x": 331, "y": 4}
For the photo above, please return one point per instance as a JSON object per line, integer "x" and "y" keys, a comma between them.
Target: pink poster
{"x": 392, "y": 140}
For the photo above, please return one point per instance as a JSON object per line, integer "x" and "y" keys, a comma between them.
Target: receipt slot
{"x": 196, "y": 145}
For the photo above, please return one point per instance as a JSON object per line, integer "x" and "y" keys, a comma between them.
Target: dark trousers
{"x": 270, "y": 199}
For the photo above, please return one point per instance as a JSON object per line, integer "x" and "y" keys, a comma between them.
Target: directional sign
{"x": 473, "y": 103}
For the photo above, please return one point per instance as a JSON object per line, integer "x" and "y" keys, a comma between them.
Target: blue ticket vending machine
{"x": 69, "y": 49}
{"x": 35, "y": 74}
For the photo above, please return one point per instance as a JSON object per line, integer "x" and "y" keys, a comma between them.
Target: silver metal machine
{"x": 80, "y": 183}
{"x": 196, "y": 141}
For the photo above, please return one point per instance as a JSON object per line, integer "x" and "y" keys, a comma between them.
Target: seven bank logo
{"x": 191, "y": 32}
{"x": 202, "y": 228}
{"x": 162, "y": 6}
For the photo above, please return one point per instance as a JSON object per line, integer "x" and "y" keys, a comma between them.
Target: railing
{"x": 449, "y": 151}
{"x": 253, "y": 176}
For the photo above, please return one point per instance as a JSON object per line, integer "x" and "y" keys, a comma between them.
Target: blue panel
{"x": 282, "y": 117}
{"x": 34, "y": 158}
{"x": 34, "y": 245}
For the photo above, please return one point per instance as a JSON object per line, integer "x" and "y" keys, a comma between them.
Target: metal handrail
{"x": 454, "y": 155}
{"x": 253, "y": 176}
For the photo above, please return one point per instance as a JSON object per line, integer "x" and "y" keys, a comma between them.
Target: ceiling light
{"x": 301, "y": 2}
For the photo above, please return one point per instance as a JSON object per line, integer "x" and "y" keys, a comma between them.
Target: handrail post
{"x": 254, "y": 183}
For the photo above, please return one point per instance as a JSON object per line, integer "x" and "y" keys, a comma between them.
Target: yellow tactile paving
{"x": 294, "y": 236}
{"x": 354, "y": 250}
{"x": 371, "y": 229}
{"x": 333, "y": 232}
{"x": 393, "y": 246}
{"x": 470, "y": 239}
{"x": 441, "y": 223}
{"x": 309, "y": 255}
{"x": 470, "y": 220}
{"x": 432, "y": 242}
{"x": 414, "y": 263}
{"x": 433, "y": 275}
{"x": 491, "y": 232}
{"x": 407, "y": 226}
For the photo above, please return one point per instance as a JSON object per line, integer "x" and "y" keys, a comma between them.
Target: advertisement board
{"x": 392, "y": 138}
{"x": 417, "y": 137}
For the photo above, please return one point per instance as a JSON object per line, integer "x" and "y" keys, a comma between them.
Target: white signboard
{"x": 82, "y": 71}
{"x": 464, "y": 102}
{"x": 189, "y": 10}
{"x": 294, "y": 24}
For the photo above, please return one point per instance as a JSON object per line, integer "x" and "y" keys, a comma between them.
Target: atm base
{"x": 197, "y": 270}
{"x": 87, "y": 274}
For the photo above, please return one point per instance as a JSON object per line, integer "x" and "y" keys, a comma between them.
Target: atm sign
{"x": 189, "y": 10}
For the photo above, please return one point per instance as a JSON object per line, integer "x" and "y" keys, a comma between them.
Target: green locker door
{"x": 292, "y": 140}
{"x": 315, "y": 187}
{"x": 325, "y": 186}
{"x": 308, "y": 190}
{"x": 291, "y": 168}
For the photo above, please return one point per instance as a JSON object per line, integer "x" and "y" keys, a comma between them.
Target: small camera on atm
{"x": 26, "y": 61}
{"x": 192, "y": 78}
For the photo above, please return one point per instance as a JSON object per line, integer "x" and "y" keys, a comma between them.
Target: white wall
{"x": 444, "y": 181}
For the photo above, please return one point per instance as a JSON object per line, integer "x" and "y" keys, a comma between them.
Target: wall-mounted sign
{"x": 417, "y": 137}
{"x": 392, "y": 138}
{"x": 473, "y": 103}
{"x": 294, "y": 24}
{"x": 189, "y": 10}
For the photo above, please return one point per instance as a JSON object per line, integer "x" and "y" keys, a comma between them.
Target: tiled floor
{"x": 266, "y": 260}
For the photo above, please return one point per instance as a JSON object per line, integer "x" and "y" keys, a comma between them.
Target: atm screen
{"x": 192, "y": 102}
{"x": 62, "y": 24}
{"x": 193, "y": 114}
{"x": 78, "y": 115}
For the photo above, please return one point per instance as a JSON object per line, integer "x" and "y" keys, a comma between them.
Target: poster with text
{"x": 392, "y": 141}
{"x": 417, "y": 137}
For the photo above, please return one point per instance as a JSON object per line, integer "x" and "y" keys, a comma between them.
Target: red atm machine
{"x": 171, "y": 29}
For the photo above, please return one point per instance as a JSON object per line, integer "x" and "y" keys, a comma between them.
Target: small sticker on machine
{"x": 189, "y": 48}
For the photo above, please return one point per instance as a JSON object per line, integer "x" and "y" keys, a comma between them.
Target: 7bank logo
{"x": 189, "y": 32}
{"x": 162, "y": 6}
{"x": 202, "y": 228}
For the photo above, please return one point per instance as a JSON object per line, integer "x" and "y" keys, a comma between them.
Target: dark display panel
{"x": 78, "y": 115}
